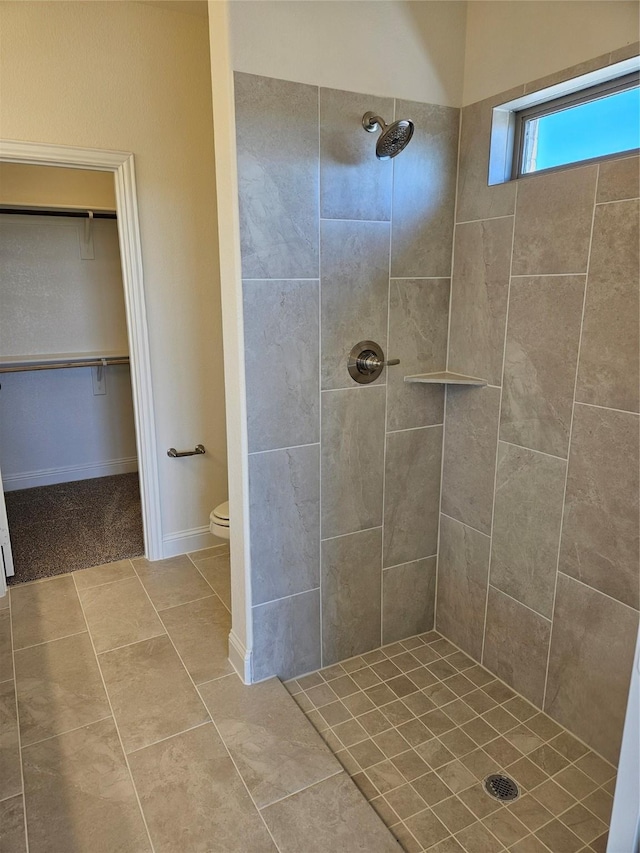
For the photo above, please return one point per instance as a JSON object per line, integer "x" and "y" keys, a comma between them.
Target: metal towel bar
{"x": 175, "y": 454}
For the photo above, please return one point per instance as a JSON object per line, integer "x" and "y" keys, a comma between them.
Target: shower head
{"x": 394, "y": 137}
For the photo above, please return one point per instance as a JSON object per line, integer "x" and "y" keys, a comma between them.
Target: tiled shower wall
{"x": 344, "y": 479}
{"x": 538, "y": 572}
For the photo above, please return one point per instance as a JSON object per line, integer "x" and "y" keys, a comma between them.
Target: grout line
{"x": 617, "y": 201}
{"x": 190, "y": 601}
{"x": 445, "y": 396}
{"x": 15, "y": 693}
{"x": 280, "y": 279}
{"x": 412, "y": 429}
{"x": 521, "y": 603}
{"x": 354, "y": 387}
{"x": 607, "y": 408}
{"x": 276, "y": 449}
{"x": 284, "y": 598}
{"x": 408, "y": 563}
{"x": 228, "y": 609}
{"x": 550, "y": 275}
{"x": 599, "y": 591}
{"x": 339, "y": 772}
{"x": 368, "y": 221}
{"x": 175, "y": 734}
{"x": 46, "y": 642}
{"x": 386, "y": 401}
{"x": 533, "y": 450}
{"x": 115, "y": 722}
{"x": 486, "y": 218}
{"x": 464, "y": 524}
{"x": 573, "y": 410}
{"x": 353, "y": 533}
{"x": 419, "y": 277}
{"x": 134, "y": 643}
{"x": 67, "y": 731}
{"x": 495, "y": 464}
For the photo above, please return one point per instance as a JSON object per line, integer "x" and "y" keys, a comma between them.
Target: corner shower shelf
{"x": 445, "y": 377}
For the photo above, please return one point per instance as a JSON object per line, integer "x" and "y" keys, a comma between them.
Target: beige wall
{"x": 509, "y": 43}
{"x": 134, "y": 77}
{"x": 47, "y": 186}
{"x": 409, "y": 50}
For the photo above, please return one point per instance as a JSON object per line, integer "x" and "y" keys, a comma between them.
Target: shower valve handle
{"x": 366, "y": 362}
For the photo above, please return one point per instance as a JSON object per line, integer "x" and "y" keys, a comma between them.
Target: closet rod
{"x": 55, "y": 365}
{"x": 78, "y": 214}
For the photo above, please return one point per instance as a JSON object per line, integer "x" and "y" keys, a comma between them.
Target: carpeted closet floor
{"x": 69, "y": 526}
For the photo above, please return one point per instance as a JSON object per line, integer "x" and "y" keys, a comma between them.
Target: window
{"x": 595, "y": 122}
{"x": 583, "y": 119}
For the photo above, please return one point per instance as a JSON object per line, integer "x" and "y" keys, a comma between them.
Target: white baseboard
{"x": 240, "y": 658}
{"x": 68, "y": 473}
{"x": 184, "y": 541}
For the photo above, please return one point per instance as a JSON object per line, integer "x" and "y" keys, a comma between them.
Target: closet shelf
{"x": 445, "y": 377}
{"x": 52, "y": 361}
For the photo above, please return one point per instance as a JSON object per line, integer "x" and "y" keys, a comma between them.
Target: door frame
{"x": 121, "y": 165}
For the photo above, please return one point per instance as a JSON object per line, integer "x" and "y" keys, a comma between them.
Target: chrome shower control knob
{"x": 366, "y": 362}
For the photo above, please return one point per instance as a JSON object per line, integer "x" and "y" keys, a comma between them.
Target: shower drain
{"x": 501, "y": 787}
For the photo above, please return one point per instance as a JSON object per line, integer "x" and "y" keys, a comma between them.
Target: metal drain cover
{"x": 501, "y": 787}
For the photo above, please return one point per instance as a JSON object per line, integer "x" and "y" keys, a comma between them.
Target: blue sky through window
{"x": 593, "y": 129}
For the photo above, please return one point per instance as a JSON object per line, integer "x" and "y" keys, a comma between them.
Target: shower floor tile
{"x": 421, "y": 726}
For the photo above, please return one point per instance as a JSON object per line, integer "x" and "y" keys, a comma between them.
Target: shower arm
{"x": 371, "y": 122}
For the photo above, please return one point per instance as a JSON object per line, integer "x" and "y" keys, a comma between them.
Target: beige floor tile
{"x": 45, "y": 610}
{"x": 200, "y": 632}
{"x": 12, "y": 838}
{"x": 151, "y": 694}
{"x": 59, "y": 688}
{"x": 271, "y": 742}
{"x": 79, "y": 795}
{"x": 6, "y": 657}
{"x": 170, "y": 582}
{"x": 477, "y": 839}
{"x": 119, "y": 613}
{"x": 10, "y": 775}
{"x": 216, "y": 570}
{"x": 193, "y": 797}
{"x": 559, "y": 838}
{"x": 107, "y": 573}
{"x": 427, "y": 828}
{"x": 327, "y": 817}
{"x": 205, "y": 553}
{"x": 4, "y": 602}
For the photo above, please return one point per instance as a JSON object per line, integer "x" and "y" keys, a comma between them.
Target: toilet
{"x": 219, "y": 521}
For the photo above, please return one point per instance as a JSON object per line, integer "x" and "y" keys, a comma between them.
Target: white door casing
{"x": 121, "y": 164}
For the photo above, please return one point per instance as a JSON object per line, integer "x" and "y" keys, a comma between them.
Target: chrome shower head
{"x": 394, "y": 137}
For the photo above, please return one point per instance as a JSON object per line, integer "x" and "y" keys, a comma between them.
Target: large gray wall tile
{"x": 540, "y": 361}
{"x": 286, "y": 636}
{"x": 351, "y": 595}
{"x": 470, "y": 455}
{"x": 526, "y": 525}
{"x": 418, "y": 320}
{"x": 553, "y": 222}
{"x": 600, "y": 531}
{"x": 463, "y": 571}
{"x": 281, "y": 334}
{"x": 412, "y": 492}
{"x": 477, "y": 200}
{"x": 354, "y": 184}
{"x": 479, "y": 293}
{"x": 424, "y": 186}
{"x": 277, "y": 137}
{"x": 590, "y": 665}
{"x": 284, "y": 488}
{"x": 354, "y": 293}
{"x": 352, "y": 460}
{"x": 516, "y": 645}
{"x": 408, "y": 599}
{"x": 608, "y": 370}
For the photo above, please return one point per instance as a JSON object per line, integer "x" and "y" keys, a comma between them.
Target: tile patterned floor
{"x": 418, "y": 725}
{"x": 123, "y": 728}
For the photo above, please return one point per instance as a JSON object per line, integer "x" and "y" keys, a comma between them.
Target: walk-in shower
{"x": 394, "y": 137}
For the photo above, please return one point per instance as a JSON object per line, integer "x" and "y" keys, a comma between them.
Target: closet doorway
{"x": 72, "y": 462}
